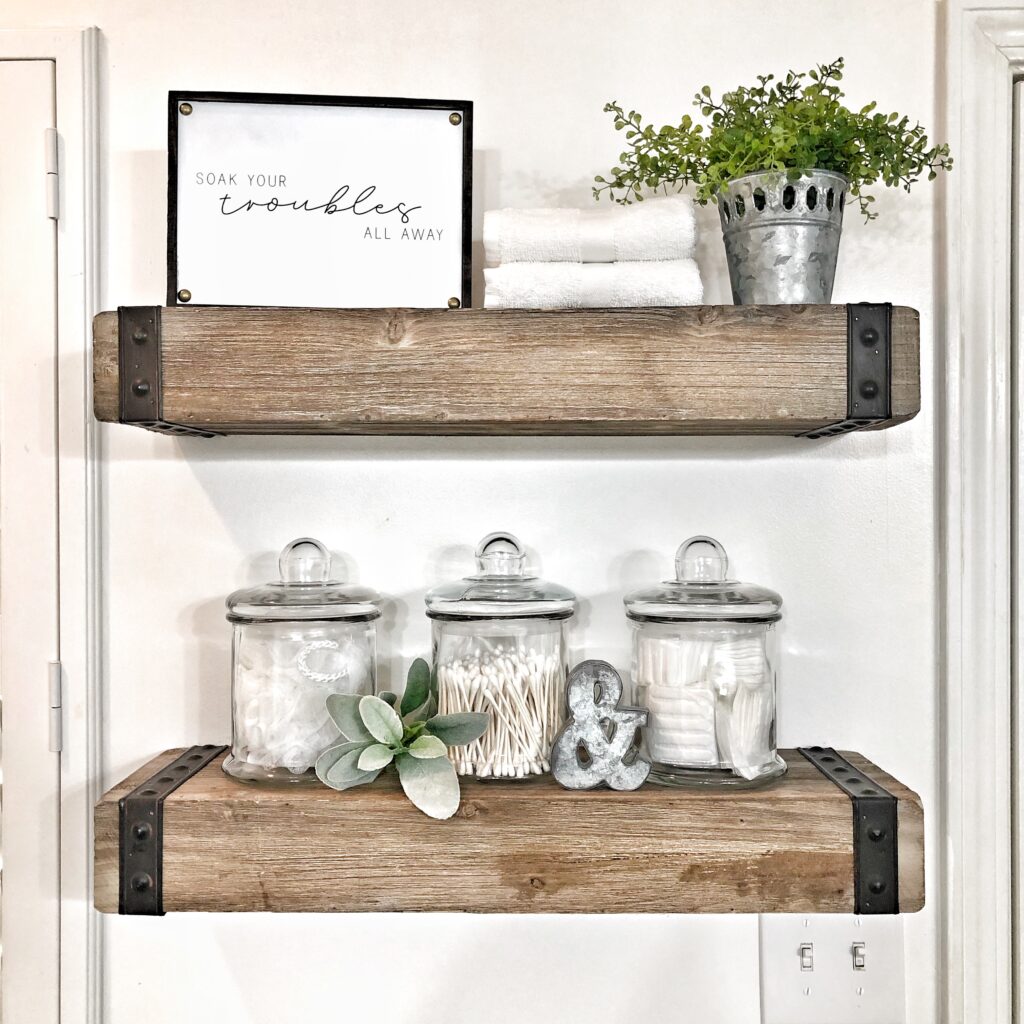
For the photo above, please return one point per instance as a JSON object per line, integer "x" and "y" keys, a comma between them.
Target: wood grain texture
{"x": 686, "y": 370}
{"x": 529, "y": 847}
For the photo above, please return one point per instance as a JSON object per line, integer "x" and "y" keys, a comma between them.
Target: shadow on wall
{"x": 142, "y": 258}
{"x": 627, "y": 967}
{"x": 317, "y": 448}
{"x": 486, "y": 182}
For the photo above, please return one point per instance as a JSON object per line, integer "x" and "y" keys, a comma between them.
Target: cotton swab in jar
{"x": 523, "y": 692}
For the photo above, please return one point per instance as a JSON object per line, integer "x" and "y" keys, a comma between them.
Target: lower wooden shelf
{"x": 529, "y": 847}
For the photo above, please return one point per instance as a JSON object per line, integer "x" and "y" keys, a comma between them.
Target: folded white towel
{"x": 661, "y": 228}
{"x": 592, "y": 285}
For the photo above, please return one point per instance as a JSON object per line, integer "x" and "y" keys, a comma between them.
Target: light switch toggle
{"x": 806, "y": 956}
{"x": 859, "y": 951}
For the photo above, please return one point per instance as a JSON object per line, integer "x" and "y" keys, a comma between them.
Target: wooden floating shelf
{"x": 528, "y": 847}
{"x": 797, "y": 370}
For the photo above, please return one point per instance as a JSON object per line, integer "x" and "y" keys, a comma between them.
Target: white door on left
{"x": 30, "y": 688}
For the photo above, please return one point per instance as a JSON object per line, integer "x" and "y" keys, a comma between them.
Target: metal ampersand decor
{"x": 593, "y": 693}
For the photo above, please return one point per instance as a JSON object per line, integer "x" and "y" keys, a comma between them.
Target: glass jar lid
{"x": 502, "y": 588}
{"x": 702, "y": 591}
{"x": 305, "y": 591}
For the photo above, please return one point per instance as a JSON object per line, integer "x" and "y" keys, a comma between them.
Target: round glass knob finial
{"x": 701, "y": 560}
{"x": 305, "y": 560}
{"x": 500, "y": 554}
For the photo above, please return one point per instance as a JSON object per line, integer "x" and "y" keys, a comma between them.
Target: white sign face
{"x": 285, "y": 203}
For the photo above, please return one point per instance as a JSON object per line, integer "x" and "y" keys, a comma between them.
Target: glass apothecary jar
{"x": 499, "y": 641}
{"x": 296, "y": 641}
{"x": 704, "y": 656}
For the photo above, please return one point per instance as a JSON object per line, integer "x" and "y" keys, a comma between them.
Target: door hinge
{"x": 56, "y": 692}
{"x": 52, "y": 175}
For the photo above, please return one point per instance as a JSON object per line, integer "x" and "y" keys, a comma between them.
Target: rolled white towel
{"x": 592, "y": 285}
{"x": 661, "y": 228}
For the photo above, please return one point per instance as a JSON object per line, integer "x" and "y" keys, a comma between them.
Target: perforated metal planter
{"x": 782, "y": 237}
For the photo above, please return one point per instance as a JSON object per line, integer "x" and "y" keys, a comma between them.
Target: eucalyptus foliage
{"x": 414, "y": 738}
{"x": 791, "y": 125}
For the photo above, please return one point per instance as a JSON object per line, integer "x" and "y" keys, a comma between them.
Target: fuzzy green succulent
{"x": 791, "y": 125}
{"x": 413, "y": 738}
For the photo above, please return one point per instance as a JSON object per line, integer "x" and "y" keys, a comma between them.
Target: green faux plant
{"x": 414, "y": 739}
{"x": 792, "y": 126}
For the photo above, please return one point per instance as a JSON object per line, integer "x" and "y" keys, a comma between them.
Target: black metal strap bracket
{"x": 140, "y": 367}
{"x": 868, "y": 368}
{"x": 875, "y": 846}
{"x": 141, "y": 821}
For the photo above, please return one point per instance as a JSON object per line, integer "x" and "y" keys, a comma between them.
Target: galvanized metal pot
{"x": 782, "y": 237}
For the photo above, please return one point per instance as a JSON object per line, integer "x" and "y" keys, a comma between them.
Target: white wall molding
{"x": 75, "y": 52}
{"x": 983, "y": 53}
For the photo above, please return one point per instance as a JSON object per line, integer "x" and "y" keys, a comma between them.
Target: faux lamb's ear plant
{"x": 414, "y": 738}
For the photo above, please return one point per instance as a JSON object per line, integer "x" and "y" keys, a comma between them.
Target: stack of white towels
{"x": 638, "y": 255}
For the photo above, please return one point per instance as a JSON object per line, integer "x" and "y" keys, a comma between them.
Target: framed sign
{"x": 332, "y": 201}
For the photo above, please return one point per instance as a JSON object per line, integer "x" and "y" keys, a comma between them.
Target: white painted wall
{"x": 845, "y": 530}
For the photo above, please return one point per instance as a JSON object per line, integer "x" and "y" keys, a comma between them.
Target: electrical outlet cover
{"x": 832, "y": 992}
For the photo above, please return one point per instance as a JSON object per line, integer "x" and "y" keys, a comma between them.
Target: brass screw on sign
{"x": 455, "y": 118}
{"x": 453, "y": 303}
{"x": 185, "y": 108}
{"x": 184, "y": 295}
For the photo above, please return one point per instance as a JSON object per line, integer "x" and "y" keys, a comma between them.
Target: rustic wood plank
{"x": 906, "y": 363}
{"x": 527, "y": 847}
{"x": 105, "y": 378}
{"x": 687, "y": 370}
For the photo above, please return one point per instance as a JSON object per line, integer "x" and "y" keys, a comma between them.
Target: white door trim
{"x": 1017, "y": 535}
{"x": 983, "y": 52}
{"x": 75, "y": 52}
{"x": 29, "y": 628}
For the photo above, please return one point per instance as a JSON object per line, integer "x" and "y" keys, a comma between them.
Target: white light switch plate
{"x": 831, "y": 991}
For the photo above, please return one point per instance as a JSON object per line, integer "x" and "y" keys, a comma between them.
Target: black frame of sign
{"x": 463, "y": 107}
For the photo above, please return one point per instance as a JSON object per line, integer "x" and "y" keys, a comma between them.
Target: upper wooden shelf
{"x": 797, "y": 370}
{"x": 512, "y": 847}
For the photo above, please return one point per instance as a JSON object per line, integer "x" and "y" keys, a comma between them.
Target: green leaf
{"x": 417, "y": 686}
{"x": 331, "y": 756}
{"x": 346, "y": 774}
{"x": 381, "y": 720}
{"x": 422, "y": 713}
{"x": 375, "y": 757}
{"x": 431, "y": 784}
{"x": 338, "y": 767}
{"x": 458, "y": 729}
{"x": 344, "y": 710}
{"x": 412, "y": 729}
{"x": 427, "y": 747}
{"x": 388, "y": 697}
